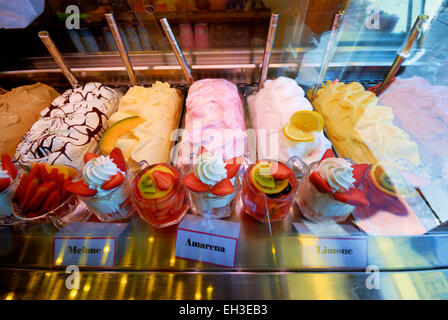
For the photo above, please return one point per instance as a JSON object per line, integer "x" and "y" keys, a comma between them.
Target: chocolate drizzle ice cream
{"x": 71, "y": 126}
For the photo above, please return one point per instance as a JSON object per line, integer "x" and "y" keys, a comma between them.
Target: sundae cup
{"x": 159, "y": 196}
{"x": 213, "y": 185}
{"x": 8, "y": 184}
{"x": 41, "y": 196}
{"x": 105, "y": 186}
{"x": 330, "y": 189}
{"x": 268, "y": 188}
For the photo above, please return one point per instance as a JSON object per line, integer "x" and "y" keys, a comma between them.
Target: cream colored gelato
{"x": 360, "y": 129}
{"x": 19, "y": 109}
{"x": 159, "y": 105}
{"x": 271, "y": 109}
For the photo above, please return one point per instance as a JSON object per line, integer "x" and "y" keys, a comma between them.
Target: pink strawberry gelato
{"x": 214, "y": 120}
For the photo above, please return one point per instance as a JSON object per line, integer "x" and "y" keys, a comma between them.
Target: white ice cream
{"x": 270, "y": 110}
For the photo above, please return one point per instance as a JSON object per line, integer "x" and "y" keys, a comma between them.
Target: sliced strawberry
{"x": 34, "y": 173}
{"x": 60, "y": 183}
{"x": 117, "y": 157}
{"x": 80, "y": 188}
{"x": 328, "y": 154}
{"x": 9, "y": 166}
{"x": 52, "y": 202}
{"x": 42, "y": 192}
{"x": 163, "y": 180}
{"x": 30, "y": 191}
{"x": 194, "y": 184}
{"x": 89, "y": 156}
{"x": 114, "y": 182}
{"x": 232, "y": 166}
{"x": 354, "y": 197}
{"x": 44, "y": 176}
{"x": 280, "y": 171}
{"x": 33, "y": 214}
{"x": 4, "y": 183}
{"x": 201, "y": 150}
{"x": 320, "y": 184}
{"x": 222, "y": 188}
{"x": 54, "y": 174}
{"x": 65, "y": 193}
{"x": 359, "y": 173}
{"x": 19, "y": 195}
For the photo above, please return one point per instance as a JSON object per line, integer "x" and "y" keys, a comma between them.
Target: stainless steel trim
{"x": 268, "y": 49}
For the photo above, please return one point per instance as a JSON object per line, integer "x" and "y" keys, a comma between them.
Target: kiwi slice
{"x": 386, "y": 182}
{"x": 146, "y": 185}
{"x": 266, "y": 180}
{"x": 263, "y": 180}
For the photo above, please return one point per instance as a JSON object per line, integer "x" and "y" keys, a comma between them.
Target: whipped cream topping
{"x": 98, "y": 171}
{"x": 70, "y": 126}
{"x": 210, "y": 168}
{"x": 338, "y": 173}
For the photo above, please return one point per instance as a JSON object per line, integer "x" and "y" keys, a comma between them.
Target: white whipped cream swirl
{"x": 210, "y": 168}
{"x": 338, "y": 173}
{"x": 98, "y": 171}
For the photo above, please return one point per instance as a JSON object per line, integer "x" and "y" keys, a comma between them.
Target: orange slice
{"x": 307, "y": 120}
{"x": 295, "y": 134}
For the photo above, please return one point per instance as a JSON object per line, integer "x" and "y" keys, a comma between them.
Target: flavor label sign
{"x": 349, "y": 253}
{"x": 87, "y": 244}
{"x": 209, "y": 241}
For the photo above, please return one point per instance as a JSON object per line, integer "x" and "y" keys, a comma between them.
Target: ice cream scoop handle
{"x": 121, "y": 49}
{"x": 179, "y": 55}
{"x": 268, "y": 49}
{"x": 56, "y": 54}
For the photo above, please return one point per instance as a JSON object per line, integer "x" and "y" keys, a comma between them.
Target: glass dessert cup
{"x": 317, "y": 206}
{"x": 60, "y": 216}
{"x": 166, "y": 210}
{"x": 258, "y": 204}
{"x": 115, "y": 206}
{"x": 211, "y": 206}
{"x": 6, "y": 197}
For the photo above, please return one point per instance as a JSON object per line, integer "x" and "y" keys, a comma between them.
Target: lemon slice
{"x": 297, "y": 135}
{"x": 308, "y": 120}
{"x": 386, "y": 178}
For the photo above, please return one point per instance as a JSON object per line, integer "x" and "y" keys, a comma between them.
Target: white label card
{"x": 94, "y": 252}
{"x": 350, "y": 253}
{"x": 214, "y": 241}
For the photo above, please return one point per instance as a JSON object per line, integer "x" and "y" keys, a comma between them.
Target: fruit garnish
{"x": 280, "y": 171}
{"x": 42, "y": 192}
{"x": 194, "y": 184}
{"x": 89, "y": 156}
{"x": 354, "y": 197}
{"x": 117, "y": 157}
{"x": 80, "y": 188}
{"x": 263, "y": 180}
{"x": 44, "y": 176}
{"x": 4, "y": 183}
{"x": 146, "y": 185}
{"x": 68, "y": 172}
{"x": 359, "y": 173}
{"x": 319, "y": 183}
{"x": 8, "y": 166}
{"x": 201, "y": 150}
{"x": 30, "y": 190}
{"x": 222, "y": 188}
{"x": 52, "y": 202}
{"x": 163, "y": 180}
{"x": 152, "y": 187}
{"x": 114, "y": 182}
{"x": 295, "y": 134}
{"x": 232, "y": 166}
{"x": 307, "y": 120}
{"x": 385, "y": 176}
{"x": 328, "y": 154}
{"x": 116, "y": 131}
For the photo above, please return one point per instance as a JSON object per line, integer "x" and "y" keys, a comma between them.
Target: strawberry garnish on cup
{"x": 115, "y": 161}
{"x": 218, "y": 188}
{"x": 354, "y": 195}
{"x": 9, "y": 172}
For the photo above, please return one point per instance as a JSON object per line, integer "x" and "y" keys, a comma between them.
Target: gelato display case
{"x": 210, "y": 150}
